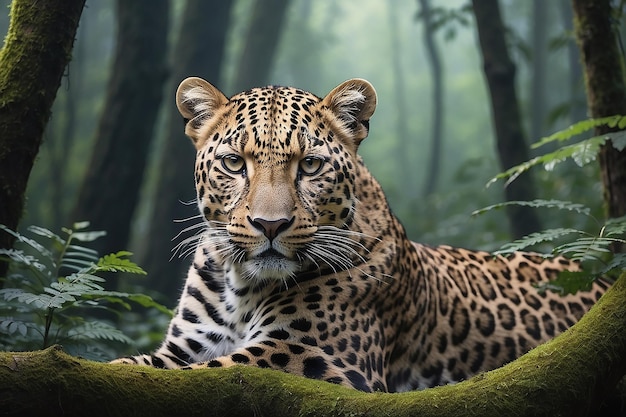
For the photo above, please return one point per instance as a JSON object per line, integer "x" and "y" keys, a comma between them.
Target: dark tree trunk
{"x": 37, "y": 49}
{"x": 578, "y": 108}
{"x": 110, "y": 189}
{"x": 606, "y": 92}
{"x": 199, "y": 51}
{"x": 537, "y": 100}
{"x": 262, "y": 38}
{"x": 432, "y": 174}
{"x": 512, "y": 149}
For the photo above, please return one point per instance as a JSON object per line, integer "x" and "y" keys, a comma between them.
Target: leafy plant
{"x": 52, "y": 284}
{"x": 581, "y": 153}
{"x": 592, "y": 250}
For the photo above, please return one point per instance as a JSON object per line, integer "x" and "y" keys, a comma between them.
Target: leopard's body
{"x": 302, "y": 266}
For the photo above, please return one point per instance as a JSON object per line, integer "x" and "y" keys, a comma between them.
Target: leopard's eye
{"x": 233, "y": 163}
{"x": 311, "y": 165}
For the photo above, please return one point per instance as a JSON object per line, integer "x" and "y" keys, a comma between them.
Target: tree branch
{"x": 567, "y": 376}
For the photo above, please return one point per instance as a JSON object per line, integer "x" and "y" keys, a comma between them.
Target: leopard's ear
{"x": 197, "y": 101}
{"x": 353, "y": 102}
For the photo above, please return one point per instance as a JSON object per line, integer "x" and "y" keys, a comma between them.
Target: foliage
{"x": 582, "y": 152}
{"x": 53, "y": 282}
{"x": 591, "y": 250}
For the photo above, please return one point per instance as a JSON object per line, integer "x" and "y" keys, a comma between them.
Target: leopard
{"x": 301, "y": 266}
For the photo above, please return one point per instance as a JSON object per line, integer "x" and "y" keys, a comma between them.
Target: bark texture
{"x": 37, "y": 49}
{"x": 110, "y": 190}
{"x": 606, "y": 92}
{"x": 569, "y": 376}
{"x": 512, "y": 148}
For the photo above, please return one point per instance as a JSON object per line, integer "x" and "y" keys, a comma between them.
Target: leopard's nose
{"x": 271, "y": 228}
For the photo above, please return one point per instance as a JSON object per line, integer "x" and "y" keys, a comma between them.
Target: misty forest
{"x": 490, "y": 133}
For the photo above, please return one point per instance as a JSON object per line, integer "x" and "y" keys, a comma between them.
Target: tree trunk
{"x": 537, "y": 100}
{"x": 606, "y": 92}
{"x": 568, "y": 376}
{"x": 407, "y": 182}
{"x": 512, "y": 149}
{"x": 36, "y": 51}
{"x": 266, "y": 26}
{"x": 199, "y": 51}
{"x": 578, "y": 105}
{"x": 436, "y": 71}
{"x": 110, "y": 189}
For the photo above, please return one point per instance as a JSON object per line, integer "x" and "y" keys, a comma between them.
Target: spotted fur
{"x": 302, "y": 267}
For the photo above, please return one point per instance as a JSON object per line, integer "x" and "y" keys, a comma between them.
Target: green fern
{"x": 582, "y": 153}
{"x": 39, "y": 290}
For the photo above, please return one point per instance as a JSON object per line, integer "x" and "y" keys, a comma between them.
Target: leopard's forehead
{"x": 271, "y": 123}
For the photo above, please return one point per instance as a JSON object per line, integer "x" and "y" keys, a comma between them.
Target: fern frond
{"x": 22, "y": 259}
{"x": 582, "y": 127}
{"x": 614, "y": 227}
{"x": 582, "y": 153}
{"x": 558, "y": 204}
{"x": 534, "y": 239}
{"x": 587, "y": 248}
{"x": 118, "y": 262}
{"x": 30, "y": 242}
{"x": 97, "y": 330}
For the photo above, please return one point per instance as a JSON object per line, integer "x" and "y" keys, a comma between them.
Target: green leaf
{"x": 559, "y": 204}
{"x": 118, "y": 262}
{"x": 534, "y": 239}
{"x": 30, "y": 242}
{"x": 88, "y": 236}
{"x": 569, "y": 282}
{"x": 582, "y": 153}
{"x": 97, "y": 330}
{"x": 581, "y": 127}
{"x": 10, "y": 326}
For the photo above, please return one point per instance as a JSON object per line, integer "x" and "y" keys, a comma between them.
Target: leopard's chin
{"x": 270, "y": 265}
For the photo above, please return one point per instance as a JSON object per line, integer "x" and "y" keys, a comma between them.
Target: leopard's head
{"x": 275, "y": 174}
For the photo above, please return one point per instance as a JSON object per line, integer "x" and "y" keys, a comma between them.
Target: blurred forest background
{"x": 128, "y": 168}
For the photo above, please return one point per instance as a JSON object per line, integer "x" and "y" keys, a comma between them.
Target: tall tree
{"x": 110, "y": 189}
{"x": 578, "y": 108}
{"x": 537, "y": 100}
{"x": 603, "y": 65}
{"x": 512, "y": 149}
{"x": 401, "y": 117}
{"x": 36, "y": 51}
{"x": 262, "y": 38}
{"x": 436, "y": 72}
{"x": 199, "y": 51}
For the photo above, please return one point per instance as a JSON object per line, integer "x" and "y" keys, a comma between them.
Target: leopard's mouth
{"x": 270, "y": 264}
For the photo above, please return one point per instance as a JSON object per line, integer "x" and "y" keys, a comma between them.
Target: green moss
{"x": 568, "y": 376}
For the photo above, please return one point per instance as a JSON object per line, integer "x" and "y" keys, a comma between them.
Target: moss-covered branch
{"x": 569, "y": 376}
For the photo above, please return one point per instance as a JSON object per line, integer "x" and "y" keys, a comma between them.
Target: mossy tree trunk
{"x": 606, "y": 91}
{"x": 37, "y": 49}
{"x": 569, "y": 376}
{"x": 511, "y": 145}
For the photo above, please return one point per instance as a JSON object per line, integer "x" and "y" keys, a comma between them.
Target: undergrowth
{"x": 55, "y": 293}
